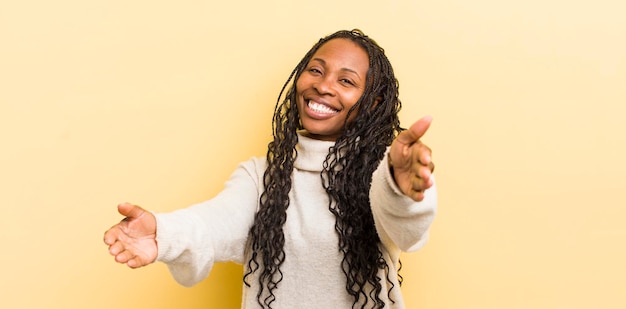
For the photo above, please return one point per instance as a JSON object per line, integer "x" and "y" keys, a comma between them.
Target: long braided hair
{"x": 346, "y": 177}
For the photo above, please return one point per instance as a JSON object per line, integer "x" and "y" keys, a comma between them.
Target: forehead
{"x": 344, "y": 52}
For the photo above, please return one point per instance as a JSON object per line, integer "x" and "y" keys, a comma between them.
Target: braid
{"x": 267, "y": 239}
{"x": 346, "y": 177}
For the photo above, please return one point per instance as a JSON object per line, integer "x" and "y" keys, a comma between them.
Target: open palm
{"x": 411, "y": 160}
{"x": 133, "y": 240}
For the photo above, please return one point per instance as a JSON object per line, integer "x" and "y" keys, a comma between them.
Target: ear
{"x": 376, "y": 101}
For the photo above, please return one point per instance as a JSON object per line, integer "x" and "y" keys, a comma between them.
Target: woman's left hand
{"x": 410, "y": 160}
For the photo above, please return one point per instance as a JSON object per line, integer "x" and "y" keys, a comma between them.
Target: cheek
{"x": 351, "y": 101}
{"x": 301, "y": 83}
{"x": 352, "y": 98}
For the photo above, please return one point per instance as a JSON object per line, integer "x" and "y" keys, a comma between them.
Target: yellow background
{"x": 155, "y": 102}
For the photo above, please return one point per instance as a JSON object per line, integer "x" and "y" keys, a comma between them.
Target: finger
{"x": 124, "y": 256}
{"x": 422, "y": 179}
{"x": 111, "y": 235}
{"x": 417, "y": 196}
{"x": 426, "y": 176}
{"x": 135, "y": 262}
{"x": 419, "y": 185}
{"x": 424, "y": 154}
{"x": 116, "y": 248}
{"x": 421, "y": 154}
{"x": 420, "y": 169}
{"x": 415, "y": 132}
{"x": 130, "y": 210}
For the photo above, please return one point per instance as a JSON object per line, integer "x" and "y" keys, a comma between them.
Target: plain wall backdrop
{"x": 156, "y": 102}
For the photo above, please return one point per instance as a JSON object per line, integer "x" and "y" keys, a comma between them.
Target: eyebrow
{"x": 343, "y": 69}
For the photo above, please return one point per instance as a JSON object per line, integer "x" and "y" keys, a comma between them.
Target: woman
{"x": 322, "y": 220}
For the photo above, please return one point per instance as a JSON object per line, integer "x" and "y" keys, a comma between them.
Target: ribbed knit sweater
{"x": 191, "y": 240}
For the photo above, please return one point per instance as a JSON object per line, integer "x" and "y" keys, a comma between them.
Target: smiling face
{"x": 332, "y": 82}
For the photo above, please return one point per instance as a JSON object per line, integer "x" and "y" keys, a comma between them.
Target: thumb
{"x": 129, "y": 210}
{"x": 415, "y": 132}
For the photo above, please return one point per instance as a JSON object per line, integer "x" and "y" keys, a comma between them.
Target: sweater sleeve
{"x": 401, "y": 222}
{"x": 191, "y": 240}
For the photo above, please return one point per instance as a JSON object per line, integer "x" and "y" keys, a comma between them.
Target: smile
{"x": 321, "y": 108}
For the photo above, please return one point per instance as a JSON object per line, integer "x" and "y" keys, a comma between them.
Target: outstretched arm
{"x": 410, "y": 160}
{"x": 133, "y": 240}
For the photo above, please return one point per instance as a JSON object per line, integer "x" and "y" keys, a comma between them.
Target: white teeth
{"x": 321, "y": 108}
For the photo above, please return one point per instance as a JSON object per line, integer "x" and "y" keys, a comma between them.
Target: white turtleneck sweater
{"x": 191, "y": 240}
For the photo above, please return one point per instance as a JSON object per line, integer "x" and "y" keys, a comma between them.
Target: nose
{"x": 325, "y": 85}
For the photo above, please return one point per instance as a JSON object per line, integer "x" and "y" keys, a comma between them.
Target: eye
{"x": 347, "y": 81}
{"x": 314, "y": 70}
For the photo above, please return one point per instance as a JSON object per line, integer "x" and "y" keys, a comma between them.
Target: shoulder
{"x": 254, "y": 164}
{"x": 254, "y": 168}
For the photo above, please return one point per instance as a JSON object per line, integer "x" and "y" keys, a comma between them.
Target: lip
{"x": 315, "y": 114}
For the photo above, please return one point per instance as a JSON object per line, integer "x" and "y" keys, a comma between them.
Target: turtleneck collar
{"x": 311, "y": 153}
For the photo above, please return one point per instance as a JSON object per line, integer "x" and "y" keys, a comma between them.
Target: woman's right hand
{"x": 133, "y": 240}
